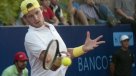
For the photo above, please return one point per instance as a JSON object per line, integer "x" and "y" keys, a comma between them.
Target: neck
{"x": 19, "y": 70}
{"x": 46, "y": 25}
{"x": 124, "y": 49}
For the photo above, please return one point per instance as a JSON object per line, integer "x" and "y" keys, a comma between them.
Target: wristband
{"x": 78, "y": 51}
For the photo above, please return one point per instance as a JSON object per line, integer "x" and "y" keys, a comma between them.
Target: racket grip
{"x": 56, "y": 64}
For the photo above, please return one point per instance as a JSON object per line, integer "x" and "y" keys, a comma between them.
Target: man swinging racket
{"x": 44, "y": 46}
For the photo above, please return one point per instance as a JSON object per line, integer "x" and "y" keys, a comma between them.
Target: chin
{"x": 38, "y": 25}
{"x": 23, "y": 67}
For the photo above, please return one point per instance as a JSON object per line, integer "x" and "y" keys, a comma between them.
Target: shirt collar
{"x": 40, "y": 28}
{"x": 16, "y": 71}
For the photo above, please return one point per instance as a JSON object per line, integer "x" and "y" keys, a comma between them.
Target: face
{"x": 54, "y": 2}
{"x": 125, "y": 43}
{"x": 35, "y": 18}
{"x": 90, "y": 2}
{"x": 45, "y": 3}
{"x": 21, "y": 64}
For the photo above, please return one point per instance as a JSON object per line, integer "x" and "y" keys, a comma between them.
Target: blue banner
{"x": 94, "y": 63}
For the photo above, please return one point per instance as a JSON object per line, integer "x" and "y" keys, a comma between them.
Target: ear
{"x": 24, "y": 17}
{"x": 24, "y": 20}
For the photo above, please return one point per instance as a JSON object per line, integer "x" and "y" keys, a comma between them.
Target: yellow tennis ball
{"x": 66, "y": 61}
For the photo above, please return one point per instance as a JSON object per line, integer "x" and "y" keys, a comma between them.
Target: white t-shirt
{"x": 36, "y": 40}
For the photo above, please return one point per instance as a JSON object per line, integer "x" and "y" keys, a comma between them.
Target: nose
{"x": 35, "y": 17}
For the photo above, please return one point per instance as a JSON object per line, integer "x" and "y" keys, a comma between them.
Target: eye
{"x": 37, "y": 12}
{"x": 30, "y": 16}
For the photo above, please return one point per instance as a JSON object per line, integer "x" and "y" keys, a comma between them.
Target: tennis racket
{"x": 53, "y": 51}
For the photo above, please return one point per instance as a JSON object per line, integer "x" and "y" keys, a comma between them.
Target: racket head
{"x": 53, "y": 51}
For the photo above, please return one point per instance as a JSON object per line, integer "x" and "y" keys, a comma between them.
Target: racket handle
{"x": 56, "y": 64}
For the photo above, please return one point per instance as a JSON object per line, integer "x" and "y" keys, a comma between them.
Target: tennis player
{"x": 40, "y": 33}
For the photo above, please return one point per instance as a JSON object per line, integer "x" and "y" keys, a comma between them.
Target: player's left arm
{"x": 89, "y": 45}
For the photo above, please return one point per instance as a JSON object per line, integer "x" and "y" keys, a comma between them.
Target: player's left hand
{"x": 90, "y": 44}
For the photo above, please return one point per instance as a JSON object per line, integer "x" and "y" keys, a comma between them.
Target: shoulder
{"x": 83, "y": 7}
{"x": 48, "y": 24}
{"x": 117, "y": 52}
{"x": 131, "y": 52}
{"x": 31, "y": 31}
{"x": 30, "y": 35}
{"x": 25, "y": 71}
{"x": 49, "y": 9}
{"x": 8, "y": 70}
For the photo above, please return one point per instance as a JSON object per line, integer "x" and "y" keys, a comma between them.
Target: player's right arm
{"x": 41, "y": 57}
{"x": 35, "y": 46}
{"x": 36, "y": 50}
